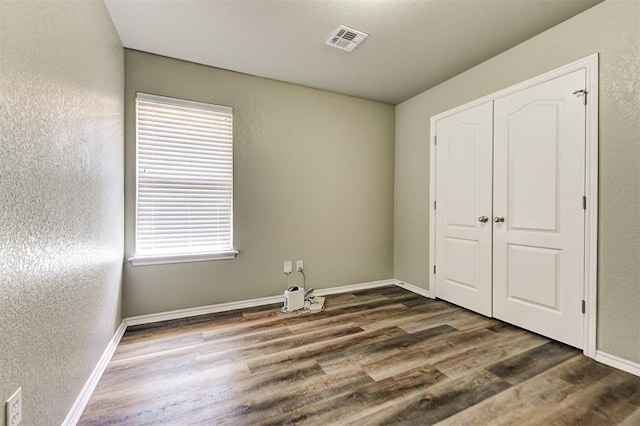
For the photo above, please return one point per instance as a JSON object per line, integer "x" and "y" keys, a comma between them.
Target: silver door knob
{"x": 498, "y": 219}
{"x": 483, "y": 219}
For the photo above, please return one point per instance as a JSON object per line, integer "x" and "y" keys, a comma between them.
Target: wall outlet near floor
{"x": 287, "y": 267}
{"x": 14, "y": 408}
{"x": 299, "y": 265}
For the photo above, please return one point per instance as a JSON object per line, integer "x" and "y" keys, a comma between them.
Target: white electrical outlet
{"x": 14, "y": 408}
{"x": 287, "y": 267}
{"x": 299, "y": 265}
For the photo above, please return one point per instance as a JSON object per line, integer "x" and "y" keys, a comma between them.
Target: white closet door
{"x": 463, "y": 187}
{"x": 539, "y": 149}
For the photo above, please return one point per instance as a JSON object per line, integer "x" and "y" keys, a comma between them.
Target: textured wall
{"x": 611, "y": 29}
{"x": 313, "y": 180}
{"x": 61, "y": 199}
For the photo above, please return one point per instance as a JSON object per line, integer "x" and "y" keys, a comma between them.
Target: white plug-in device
{"x": 293, "y": 299}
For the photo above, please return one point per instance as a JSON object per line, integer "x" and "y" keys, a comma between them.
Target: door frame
{"x": 590, "y": 292}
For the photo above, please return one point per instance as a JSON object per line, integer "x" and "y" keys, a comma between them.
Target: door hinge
{"x": 434, "y": 205}
{"x": 584, "y": 95}
{"x": 434, "y": 269}
{"x": 584, "y": 306}
{"x": 584, "y": 202}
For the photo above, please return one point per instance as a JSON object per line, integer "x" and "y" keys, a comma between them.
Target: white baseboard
{"x": 353, "y": 287}
{"x": 202, "y": 310}
{"x": 223, "y": 307}
{"x": 83, "y": 399}
{"x": 619, "y": 363}
{"x": 413, "y": 288}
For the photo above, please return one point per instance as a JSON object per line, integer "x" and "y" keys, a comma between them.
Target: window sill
{"x": 181, "y": 258}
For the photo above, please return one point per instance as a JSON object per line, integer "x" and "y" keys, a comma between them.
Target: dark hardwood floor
{"x": 381, "y": 356}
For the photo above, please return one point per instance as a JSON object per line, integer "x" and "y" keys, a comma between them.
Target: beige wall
{"x": 313, "y": 181}
{"x": 611, "y": 29}
{"x": 61, "y": 199}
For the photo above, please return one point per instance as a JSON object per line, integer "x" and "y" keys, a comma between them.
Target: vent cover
{"x": 346, "y": 38}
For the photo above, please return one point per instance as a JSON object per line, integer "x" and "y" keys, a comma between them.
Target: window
{"x": 184, "y": 181}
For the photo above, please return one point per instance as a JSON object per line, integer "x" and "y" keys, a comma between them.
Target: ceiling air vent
{"x": 346, "y": 38}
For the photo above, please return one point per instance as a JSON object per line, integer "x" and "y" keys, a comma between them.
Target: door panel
{"x": 532, "y": 195}
{"x": 461, "y": 256}
{"x": 463, "y": 147}
{"x": 463, "y": 185}
{"x": 539, "y": 154}
{"x": 533, "y": 275}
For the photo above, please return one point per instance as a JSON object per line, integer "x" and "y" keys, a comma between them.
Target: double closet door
{"x": 510, "y": 179}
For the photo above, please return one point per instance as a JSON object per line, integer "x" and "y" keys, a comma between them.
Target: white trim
{"x": 202, "y": 310}
{"x": 83, "y": 399}
{"x": 353, "y": 287}
{"x": 591, "y": 216}
{"x": 590, "y": 64}
{"x": 619, "y": 363}
{"x": 181, "y": 258}
{"x": 433, "y": 152}
{"x": 230, "y": 306}
{"x": 412, "y": 288}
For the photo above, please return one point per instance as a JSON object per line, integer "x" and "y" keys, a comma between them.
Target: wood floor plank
{"x": 346, "y": 407}
{"x": 632, "y": 420}
{"x": 508, "y": 407}
{"x": 525, "y": 365}
{"x": 441, "y": 401}
{"x": 581, "y": 371}
{"x": 431, "y": 319}
{"x": 260, "y": 407}
{"x": 369, "y": 320}
{"x": 461, "y": 363}
{"x": 380, "y": 356}
{"x": 409, "y": 317}
{"x": 276, "y": 346}
{"x": 473, "y": 322}
{"x": 430, "y": 353}
{"x": 314, "y": 350}
{"x": 374, "y": 358}
{"x": 608, "y": 401}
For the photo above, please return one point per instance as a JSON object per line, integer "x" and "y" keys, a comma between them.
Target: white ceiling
{"x": 412, "y": 46}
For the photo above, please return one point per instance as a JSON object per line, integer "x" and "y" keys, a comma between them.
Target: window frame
{"x": 178, "y": 257}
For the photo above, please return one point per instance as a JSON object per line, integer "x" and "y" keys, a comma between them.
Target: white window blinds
{"x": 184, "y": 177}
